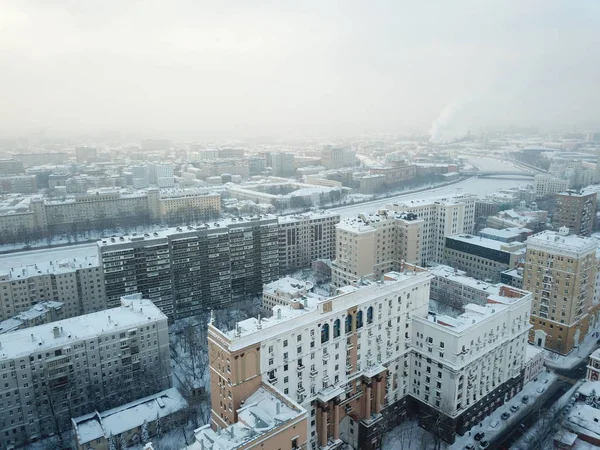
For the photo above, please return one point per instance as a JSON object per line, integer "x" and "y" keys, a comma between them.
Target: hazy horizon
{"x": 195, "y": 68}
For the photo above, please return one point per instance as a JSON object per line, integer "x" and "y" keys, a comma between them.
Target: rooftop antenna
{"x": 212, "y": 317}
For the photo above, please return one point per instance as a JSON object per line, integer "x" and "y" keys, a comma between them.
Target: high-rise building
{"x": 442, "y": 217}
{"x": 54, "y": 371}
{"x": 576, "y": 211}
{"x": 283, "y": 164}
{"x": 463, "y": 368}
{"x": 356, "y": 361}
{"x": 140, "y": 176}
{"x": 560, "y": 271}
{"x": 188, "y": 270}
{"x": 342, "y": 359}
{"x": 161, "y": 175}
{"x": 372, "y": 244}
{"x": 304, "y": 238}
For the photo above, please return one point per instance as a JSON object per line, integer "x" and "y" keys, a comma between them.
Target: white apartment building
{"x": 76, "y": 282}
{"x": 545, "y": 184}
{"x": 161, "y": 175}
{"x": 442, "y": 217}
{"x": 304, "y": 238}
{"x": 452, "y": 287}
{"x": 345, "y": 359}
{"x": 54, "y": 371}
{"x": 372, "y": 244}
{"x": 467, "y": 366}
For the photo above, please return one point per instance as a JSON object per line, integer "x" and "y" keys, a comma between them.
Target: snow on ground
{"x": 493, "y": 424}
{"x": 536, "y": 430}
{"x": 409, "y": 435}
{"x": 589, "y": 344}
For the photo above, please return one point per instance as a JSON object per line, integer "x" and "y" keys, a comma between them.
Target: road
{"x": 511, "y": 436}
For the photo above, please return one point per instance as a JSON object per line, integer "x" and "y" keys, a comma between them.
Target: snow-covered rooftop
{"x": 511, "y": 247}
{"x": 475, "y": 314}
{"x": 370, "y": 221}
{"x": 128, "y": 416}
{"x": 458, "y": 276}
{"x": 288, "y": 286}
{"x": 164, "y": 233}
{"x": 584, "y": 419}
{"x": 505, "y": 233}
{"x": 307, "y": 215}
{"x": 254, "y": 330}
{"x": 78, "y": 254}
{"x": 32, "y": 313}
{"x": 42, "y": 267}
{"x": 263, "y": 412}
{"x": 554, "y": 241}
{"x": 134, "y": 311}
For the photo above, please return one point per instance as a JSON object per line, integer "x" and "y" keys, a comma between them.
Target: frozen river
{"x": 478, "y": 186}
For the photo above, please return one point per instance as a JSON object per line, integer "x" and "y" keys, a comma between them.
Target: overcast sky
{"x": 195, "y": 68}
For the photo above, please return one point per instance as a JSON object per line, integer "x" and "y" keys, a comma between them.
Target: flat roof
{"x": 49, "y": 259}
{"x": 365, "y": 222}
{"x": 48, "y": 267}
{"x": 551, "y": 240}
{"x": 133, "y": 312}
{"x": 252, "y": 330}
{"x": 223, "y": 224}
{"x": 481, "y": 241}
{"x": 511, "y": 232}
{"x": 447, "y": 272}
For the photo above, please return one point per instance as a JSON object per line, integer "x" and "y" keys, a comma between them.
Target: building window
{"x": 370, "y": 315}
{"x": 359, "y": 319}
{"x": 325, "y": 333}
{"x": 336, "y": 328}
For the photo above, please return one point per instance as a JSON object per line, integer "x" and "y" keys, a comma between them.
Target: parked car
{"x": 495, "y": 423}
{"x": 545, "y": 381}
{"x": 525, "y": 399}
{"x": 469, "y": 447}
{"x": 514, "y": 408}
{"x": 479, "y": 436}
{"x": 505, "y": 415}
{"x": 484, "y": 444}
{"x": 540, "y": 390}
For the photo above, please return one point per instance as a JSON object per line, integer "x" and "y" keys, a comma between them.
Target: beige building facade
{"x": 372, "y": 244}
{"x": 560, "y": 271}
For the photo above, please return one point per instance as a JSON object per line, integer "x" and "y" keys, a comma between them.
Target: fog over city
{"x": 192, "y": 69}
{"x": 299, "y": 225}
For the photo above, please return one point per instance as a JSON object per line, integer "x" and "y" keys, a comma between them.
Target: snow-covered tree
{"x": 111, "y": 443}
{"x": 158, "y": 426}
{"x": 145, "y": 433}
{"x": 123, "y": 442}
{"x": 591, "y": 399}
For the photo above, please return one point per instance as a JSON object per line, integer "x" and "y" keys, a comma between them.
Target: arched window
{"x": 349, "y": 324}
{"x": 370, "y": 315}
{"x": 325, "y": 333}
{"x": 336, "y": 328}
{"x": 359, "y": 319}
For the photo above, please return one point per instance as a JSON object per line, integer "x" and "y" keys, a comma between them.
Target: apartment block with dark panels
{"x": 185, "y": 271}
{"x": 576, "y": 211}
{"x": 137, "y": 264}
